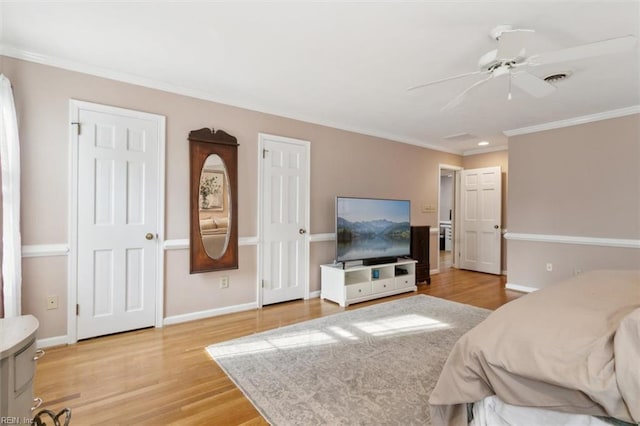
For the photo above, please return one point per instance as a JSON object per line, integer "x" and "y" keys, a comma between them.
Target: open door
{"x": 480, "y": 221}
{"x": 447, "y": 205}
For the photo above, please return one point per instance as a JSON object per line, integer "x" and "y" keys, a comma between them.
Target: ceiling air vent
{"x": 460, "y": 137}
{"x": 554, "y": 78}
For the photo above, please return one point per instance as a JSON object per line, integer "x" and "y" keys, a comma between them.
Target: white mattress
{"x": 491, "y": 411}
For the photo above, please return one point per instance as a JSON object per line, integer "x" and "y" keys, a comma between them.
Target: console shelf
{"x": 361, "y": 283}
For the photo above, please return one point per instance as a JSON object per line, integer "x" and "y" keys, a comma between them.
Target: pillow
{"x": 222, "y": 222}
{"x": 207, "y": 224}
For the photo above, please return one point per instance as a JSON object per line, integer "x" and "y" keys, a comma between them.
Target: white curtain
{"x": 11, "y": 240}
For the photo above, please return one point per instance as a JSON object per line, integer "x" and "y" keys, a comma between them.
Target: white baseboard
{"x": 52, "y": 341}
{"x": 177, "y": 319}
{"x": 434, "y": 271}
{"x": 520, "y": 288}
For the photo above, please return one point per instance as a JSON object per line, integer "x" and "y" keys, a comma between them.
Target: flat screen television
{"x": 372, "y": 230}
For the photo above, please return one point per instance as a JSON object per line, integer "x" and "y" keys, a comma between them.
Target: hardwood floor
{"x": 164, "y": 376}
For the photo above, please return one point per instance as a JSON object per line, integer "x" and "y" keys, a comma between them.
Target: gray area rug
{"x": 371, "y": 366}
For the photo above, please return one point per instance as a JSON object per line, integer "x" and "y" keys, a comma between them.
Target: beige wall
{"x": 493, "y": 159}
{"x": 580, "y": 181}
{"x": 342, "y": 163}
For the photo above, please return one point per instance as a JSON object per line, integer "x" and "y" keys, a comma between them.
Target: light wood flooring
{"x": 164, "y": 376}
{"x": 446, "y": 259}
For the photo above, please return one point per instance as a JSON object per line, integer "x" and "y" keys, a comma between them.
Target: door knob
{"x": 302, "y": 231}
{"x": 496, "y": 227}
{"x": 149, "y": 236}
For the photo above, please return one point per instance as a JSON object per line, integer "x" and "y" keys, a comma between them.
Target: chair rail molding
{"x": 578, "y": 240}
{"x": 330, "y": 236}
{"x": 45, "y": 250}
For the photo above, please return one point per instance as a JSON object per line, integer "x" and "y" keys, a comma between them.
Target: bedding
{"x": 491, "y": 411}
{"x": 572, "y": 347}
{"x": 214, "y": 241}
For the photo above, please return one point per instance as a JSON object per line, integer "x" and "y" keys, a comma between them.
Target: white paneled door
{"x": 284, "y": 245}
{"x": 117, "y": 219}
{"x": 481, "y": 207}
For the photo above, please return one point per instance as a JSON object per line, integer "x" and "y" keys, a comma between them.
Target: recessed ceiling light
{"x": 483, "y": 143}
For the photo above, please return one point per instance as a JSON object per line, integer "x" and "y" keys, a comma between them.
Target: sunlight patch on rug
{"x": 261, "y": 345}
{"x": 402, "y": 324}
{"x": 387, "y": 326}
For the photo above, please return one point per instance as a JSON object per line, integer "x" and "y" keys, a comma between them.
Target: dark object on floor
{"x": 39, "y": 419}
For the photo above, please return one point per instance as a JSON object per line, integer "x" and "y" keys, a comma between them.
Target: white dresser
{"x": 18, "y": 356}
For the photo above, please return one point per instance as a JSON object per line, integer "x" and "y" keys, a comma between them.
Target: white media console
{"x": 360, "y": 283}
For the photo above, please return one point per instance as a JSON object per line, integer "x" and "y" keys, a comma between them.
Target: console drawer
{"x": 358, "y": 290}
{"x": 405, "y": 281}
{"x": 380, "y": 286}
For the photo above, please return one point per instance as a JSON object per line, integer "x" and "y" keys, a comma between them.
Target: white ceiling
{"x": 346, "y": 65}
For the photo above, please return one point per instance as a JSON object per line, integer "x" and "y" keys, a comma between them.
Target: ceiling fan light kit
{"x": 510, "y": 55}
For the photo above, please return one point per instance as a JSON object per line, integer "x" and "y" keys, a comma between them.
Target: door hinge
{"x": 264, "y": 152}
{"x": 262, "y": 283}
{"x": 77, "y": 124}
{"x": 77, "y": 309}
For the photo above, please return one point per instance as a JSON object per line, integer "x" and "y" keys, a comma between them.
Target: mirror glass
{"x": 214, "y": 206}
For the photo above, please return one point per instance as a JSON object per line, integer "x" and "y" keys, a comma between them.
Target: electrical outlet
{"x": 52, "y": 302}
{"x": 549, "y": 267}
{"x": 428, "y": 208}
{"x": 224, "y": 282}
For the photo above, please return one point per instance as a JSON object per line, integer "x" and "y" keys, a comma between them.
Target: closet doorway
{"x": 448, "y": 185}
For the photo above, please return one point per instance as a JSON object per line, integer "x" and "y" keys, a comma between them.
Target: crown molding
{"x": 485, "y": 150}
{"x": 622, "y": 112}
{"x": 203, "y": 95}
{"x": 110, "y": 74}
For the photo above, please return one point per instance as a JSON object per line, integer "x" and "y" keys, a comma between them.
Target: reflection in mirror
{"x": 214, "y": 206}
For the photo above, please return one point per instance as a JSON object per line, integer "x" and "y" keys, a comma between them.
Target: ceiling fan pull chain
{"x": 509, "y": 95}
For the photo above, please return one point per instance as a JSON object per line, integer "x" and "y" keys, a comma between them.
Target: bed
{"x": 214, "y": 241}
{"x": 214, "y": 234}
{"x": 570, "y": 350}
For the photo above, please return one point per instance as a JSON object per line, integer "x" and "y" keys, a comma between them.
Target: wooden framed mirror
{"x": 213, "y": 239}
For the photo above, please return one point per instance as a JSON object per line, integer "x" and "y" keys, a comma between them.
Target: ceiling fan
{"x": 511, "y": 55}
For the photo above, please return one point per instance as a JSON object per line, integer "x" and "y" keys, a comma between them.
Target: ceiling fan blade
{"x": 589, "y": 50}
{"x": 531, "y": 84}
{"x": 456, "y": 101}
{"x": 420, "y": 86}
{"x": 511, "y": 44}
